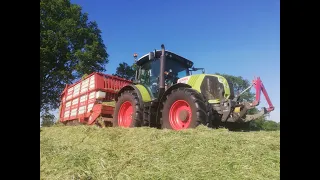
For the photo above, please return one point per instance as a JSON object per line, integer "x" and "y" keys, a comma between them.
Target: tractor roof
{"x": 169, "y": 54}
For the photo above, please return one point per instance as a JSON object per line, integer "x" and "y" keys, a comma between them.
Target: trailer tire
{"x": 127, "y": 112}
{"x": 183, "y": 108}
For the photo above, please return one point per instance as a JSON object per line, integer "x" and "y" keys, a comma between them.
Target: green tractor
{"x": 164, "y": 94}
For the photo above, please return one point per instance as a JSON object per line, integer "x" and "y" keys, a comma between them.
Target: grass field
{"x": 84, "y": 152}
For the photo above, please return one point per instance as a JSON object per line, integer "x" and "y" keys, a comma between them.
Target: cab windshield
{"x": 150, "y": 71}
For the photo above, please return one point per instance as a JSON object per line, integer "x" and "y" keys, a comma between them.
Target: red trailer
{"x": 87, "y": 100}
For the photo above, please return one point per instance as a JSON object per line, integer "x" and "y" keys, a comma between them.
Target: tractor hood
{"x": 214, "y": 87}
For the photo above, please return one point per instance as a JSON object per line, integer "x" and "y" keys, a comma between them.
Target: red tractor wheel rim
{"x": 180, "y": 115}
{"x": 125, "y": 114}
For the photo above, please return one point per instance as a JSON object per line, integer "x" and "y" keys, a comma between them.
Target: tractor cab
{"x": 148, "y": 70}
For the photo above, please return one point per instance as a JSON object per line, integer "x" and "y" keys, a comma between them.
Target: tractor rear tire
{"x": 127, "y": 112}
{"x": 183, "y": 108}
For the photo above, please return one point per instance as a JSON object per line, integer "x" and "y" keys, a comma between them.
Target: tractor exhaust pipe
{"x": 162, "y": 70}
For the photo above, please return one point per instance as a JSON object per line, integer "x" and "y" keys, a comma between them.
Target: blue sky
{"x": 241, "y": 38}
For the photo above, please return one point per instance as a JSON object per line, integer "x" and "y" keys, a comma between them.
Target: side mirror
{"x": 151, "y": 55}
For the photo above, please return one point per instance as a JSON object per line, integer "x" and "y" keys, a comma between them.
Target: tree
{"x": 47, "y": 119}
{"x": 257, "y": 124}
{"x": 70, "y": 46}
{"x": 266, "y": 125}
{"x": 240, "y": 84}
{"x": 125, "y": 71}
{"x": 269, "y": 125}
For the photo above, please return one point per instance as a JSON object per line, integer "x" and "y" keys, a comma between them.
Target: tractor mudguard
{"x": 145, "y": 94}
{"x": 142, "y": 92}
{"x": 175, "y": 86}
{"x": 128, "y": 87}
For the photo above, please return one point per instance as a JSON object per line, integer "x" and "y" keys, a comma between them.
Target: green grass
{"x": 84, "y": 152}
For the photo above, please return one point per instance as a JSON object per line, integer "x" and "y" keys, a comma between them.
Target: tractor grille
{"x": 211, "y": 88}
{"x": 231, "y": 90}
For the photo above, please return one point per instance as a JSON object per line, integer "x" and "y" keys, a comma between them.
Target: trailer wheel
{"x": 183, "y": 108}
{"x": 127, "y": 111}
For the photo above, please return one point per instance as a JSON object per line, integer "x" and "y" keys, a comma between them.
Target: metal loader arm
{"x": 257, "y": 83}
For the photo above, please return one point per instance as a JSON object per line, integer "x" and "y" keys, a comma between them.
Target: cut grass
{"x": 110, "y": 103}
{"x": 84, "y": 152}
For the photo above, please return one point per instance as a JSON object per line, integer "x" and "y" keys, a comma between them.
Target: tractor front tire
{"x": 183, "y": 108}
{"x": 127, "y": 112}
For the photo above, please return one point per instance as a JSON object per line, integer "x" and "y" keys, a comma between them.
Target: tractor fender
{"x": 127, "y": 87}
{"x": 137, "y": 88}
{"x": 168, "y": 91}
{"x": 175, "y": 86}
